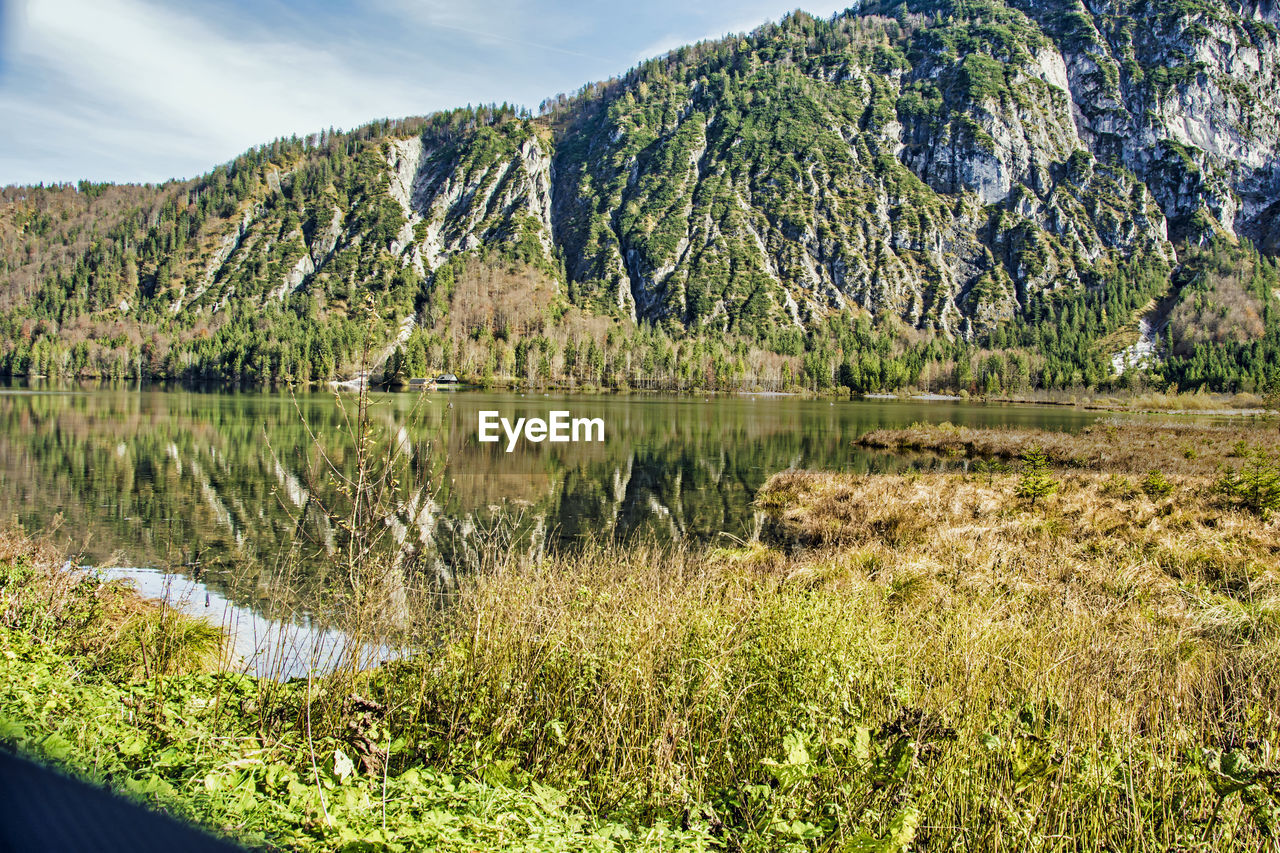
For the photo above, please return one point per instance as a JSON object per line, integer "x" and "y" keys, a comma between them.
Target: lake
{"x": 172, "y": 478}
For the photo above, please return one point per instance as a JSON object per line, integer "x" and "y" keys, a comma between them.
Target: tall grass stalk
{"x": 921, "y": 652}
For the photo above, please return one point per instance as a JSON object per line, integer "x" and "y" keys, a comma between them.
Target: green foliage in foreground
{"x": 1256, "y": 485}
{"x": 191, "y": 746}
{"x": 859, "y": 699}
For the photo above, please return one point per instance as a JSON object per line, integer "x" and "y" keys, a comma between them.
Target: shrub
{"x": 1156, "y": 484}
{"x": 1118, "y": 486}
{"x": 988, "y": 468}
{"x": 1035, "y": 481}
{"x": 1256, "y": 486}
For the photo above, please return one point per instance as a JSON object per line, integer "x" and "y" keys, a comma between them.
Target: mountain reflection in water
{"x": 151, "y": 477}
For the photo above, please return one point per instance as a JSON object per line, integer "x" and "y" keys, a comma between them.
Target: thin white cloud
{"x": 543, "y": 25}
{"x": 506, "y": 33}
{"x": 497, "y": 37}
{"x": 659, "y": 47}
{"x": 193, "y": 73}
{"x": 147, "y": 90}
{"x": 177, "y": 75}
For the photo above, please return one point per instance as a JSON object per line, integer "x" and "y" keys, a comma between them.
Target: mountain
{"x": 943, "y": 193}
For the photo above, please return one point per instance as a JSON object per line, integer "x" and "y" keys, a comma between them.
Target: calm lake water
{"x": 156, "y": 477}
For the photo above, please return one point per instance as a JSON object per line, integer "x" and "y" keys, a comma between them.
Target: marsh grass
{"x": 1184, "y": 449}
{"x": 917, "y": 657}
{"x": 157, "y": 642}
{"x": 1144, "y": 628}
{"x": 363, "y": 529}
{"x": 1199, "y": 401}
{"x": 47, "y": 596}
{"x": 923, "y": 661}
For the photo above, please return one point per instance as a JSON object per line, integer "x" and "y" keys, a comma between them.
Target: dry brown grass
{"x": 1199, "y": 401}
{"x": 108, "y": 623}
{"x": 1182, "y": 449}
{"x": 1141, "y": 616}
{"x": 1055, "y": 673}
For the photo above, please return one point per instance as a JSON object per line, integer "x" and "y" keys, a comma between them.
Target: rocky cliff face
{"x": 940, "y": 162}
{"x": 460, "y": 198}
{"x": 937, "y": 166}
{"x": 1186, "y": 95}
{"x": 410, "y": 204}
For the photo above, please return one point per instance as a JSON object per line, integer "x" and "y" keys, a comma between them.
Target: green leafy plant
{"x": 1035, "y": 481}
{"x": 1156, "y": 484}
{"x": 1256, "y": 486}
{"x": 1232, "y": 774}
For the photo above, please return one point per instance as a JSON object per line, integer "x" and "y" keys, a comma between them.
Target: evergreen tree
{"x": 1035, "y": 481}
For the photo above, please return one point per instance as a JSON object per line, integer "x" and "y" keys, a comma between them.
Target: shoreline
{"x": 1192, "y": 403}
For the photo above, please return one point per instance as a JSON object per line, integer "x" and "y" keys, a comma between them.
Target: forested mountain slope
{"x": 953, "y": 193}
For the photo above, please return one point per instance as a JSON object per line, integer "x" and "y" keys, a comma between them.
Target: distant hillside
{"x": 968, "y": 194}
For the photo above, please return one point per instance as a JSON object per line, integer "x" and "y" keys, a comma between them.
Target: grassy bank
{"x": 280, "y": 766}
{"x": 1191, "y": 402}
{"x": 1196, "y": 450}
{"x": 925, "y": 662}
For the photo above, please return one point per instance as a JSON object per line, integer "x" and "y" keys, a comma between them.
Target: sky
{"x": 147, "y": 90}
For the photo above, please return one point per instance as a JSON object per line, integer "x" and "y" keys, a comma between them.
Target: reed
{"x": 46, "y": 595}
{"x": 1188, "y": 448}
{"x": 925, "y": 661}
{"x": 923, "y": 651}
